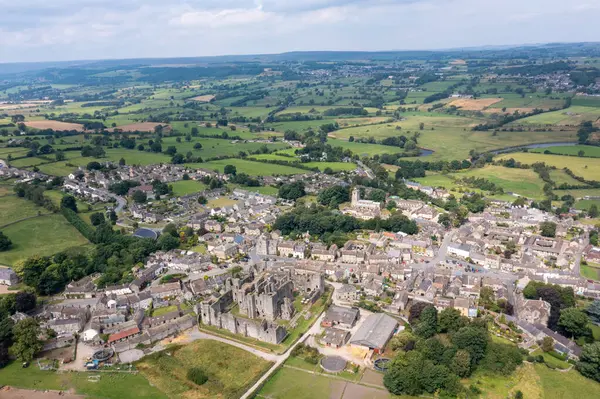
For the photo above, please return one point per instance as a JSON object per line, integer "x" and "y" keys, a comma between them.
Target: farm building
{"x": 375, "y": 332}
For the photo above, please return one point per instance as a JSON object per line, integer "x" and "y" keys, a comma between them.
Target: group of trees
{"x": 292, "y": 191}
{"x": 21, "y": 339}
{"x": 5, "y": 242}
{"x": 431, "y": 363}
{"x": 321, "y": 221}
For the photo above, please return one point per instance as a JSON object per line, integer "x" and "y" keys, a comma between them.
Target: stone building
{"x": 215, "y": 313}
{"x": 266, "y": 297}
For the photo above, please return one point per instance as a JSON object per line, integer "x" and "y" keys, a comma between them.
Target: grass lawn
{"x": 588, "y": 150}
{"x": 230, "y": 370}
{"x": 588, "y": 168}
{"x": 109, "y": 386}
{"x": 590, "y": 272}
{"x": 219, "y": 202}
{"x": 266, "y": 190}
{"x": 287, "y": 383}
{"x": 163, "y": 310}
{"x": 13, "y": 208}
{"x": 551, "y": 360}
{"x": 185, "y": 187}
{"x": 569, "y": 385}
{"x": 250, "y": 167}
{"x": 44, "y": 235}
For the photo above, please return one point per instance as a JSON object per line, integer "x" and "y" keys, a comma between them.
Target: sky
{"x": 56, "y": 30}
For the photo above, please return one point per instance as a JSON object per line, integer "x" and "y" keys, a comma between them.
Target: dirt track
{"x": 17, "y": 393}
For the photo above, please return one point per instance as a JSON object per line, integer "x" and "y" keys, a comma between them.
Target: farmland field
{"x": 230, "y": 370}
{"x": 588, "y": 150}
{"x": 13, "y": 208}
{"x": 524, "y": 182}
{"x": 56, "y": 125}
{"x": 572, "y": 116}
{"x": 44, "y": 235}
{"x": 588, "y": 168}
{"x": 250, "y": 167}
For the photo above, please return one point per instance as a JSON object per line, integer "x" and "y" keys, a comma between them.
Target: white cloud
{"x": 222, "y": 18}
{"x": 84, "y": 29}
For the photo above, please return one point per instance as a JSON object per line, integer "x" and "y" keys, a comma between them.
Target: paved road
{"x": 121, "y": 202}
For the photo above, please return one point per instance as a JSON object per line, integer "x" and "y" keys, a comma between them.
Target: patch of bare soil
{"x": 205, "y": 98}
{"x": 55, "y": 125}
{"x": 474, "y": 104}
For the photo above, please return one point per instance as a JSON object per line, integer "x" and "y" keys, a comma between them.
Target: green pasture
{"x": 44, "y": 235}
{"x": 588, "y": 150}
{"x": 588, "y": 168}
{"x": 250, "y": 167}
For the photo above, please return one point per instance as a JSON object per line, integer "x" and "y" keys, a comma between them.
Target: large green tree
{"x": 69, "y": 202}
{"x": 450, "y": 320}
{"x": 428, "y": 323}
{"x": 574, "y": 322}
{"x": 26, "y": 342}
{"x": 472, "y": 339}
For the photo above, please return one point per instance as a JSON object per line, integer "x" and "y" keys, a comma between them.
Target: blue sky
{"x": 51, "y": 30}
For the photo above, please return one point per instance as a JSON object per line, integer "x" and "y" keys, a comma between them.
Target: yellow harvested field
{"x": 55, "y": 125}
{"x": 458, "y": 62}
{"x": 205, "y": 98}
{"x": 474, "y": 104}
{"x": 141, "y": 127}
{"x": 8, "y": 107}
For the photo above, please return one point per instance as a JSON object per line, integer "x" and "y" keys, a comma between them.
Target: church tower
{"x": 355, "y": 196}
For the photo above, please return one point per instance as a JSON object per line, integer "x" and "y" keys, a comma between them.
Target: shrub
{"x": 197, "y": 376}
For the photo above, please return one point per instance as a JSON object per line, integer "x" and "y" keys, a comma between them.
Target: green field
{"x": 216, "y": 147}
{"x": 230, "y": 370}
{"x": 524, "y": 182}
{"x": 44, "y": 235}
{"x": 249, "y": 167}
{"x": 571, "y": 116}
{"x": 108, "y": 385}
{"x": 335, "y": 166}
{"x": 13, "y": 208}
{"x": 588, "y": 150}
{"x": 588, "y": 168}
{"x": 451, "y": 137}
{"x": 586, "y": 204}
{"x": 288, "y": 383}
{"x": 185, "y": 187}
{"x": 559, "y": 177}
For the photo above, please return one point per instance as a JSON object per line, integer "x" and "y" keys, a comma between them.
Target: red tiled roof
{"x": 123, "y": 334}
